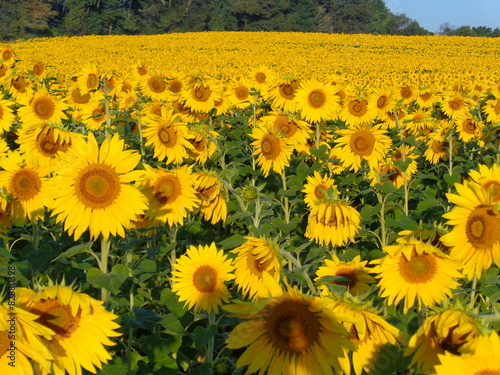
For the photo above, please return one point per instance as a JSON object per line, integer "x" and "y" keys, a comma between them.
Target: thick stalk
{"x": 105, "y": 246}
{"x": 286, "y": 205}
{"x": 211, "y": 342}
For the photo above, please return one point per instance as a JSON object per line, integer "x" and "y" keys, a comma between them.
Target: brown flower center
{"x": 205, "y": 279}
{"x": 419, "y": 269}
{"x": 483, "y": 228}
{"x": 167, "y": 188}
{"x": 25, "y": 184}
{"x": 270, "y": 146}
{"x": 362, "y": 142}
{"x": 57, "y": 317}
{"x": 97, "y": 186}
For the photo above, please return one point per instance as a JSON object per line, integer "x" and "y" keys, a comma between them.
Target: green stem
{"x": 286, "y": 207}
{"x": 105, "y": 246}
{"x": 35, "y": 235}
{"x": 139, "y": 129}
{"x": 318, "y": 134}
{"x": 473, "y": 293}
{"x": 381, "y": 215}
{"x": 211, "y": 342}
{"x": 108, "y": 114}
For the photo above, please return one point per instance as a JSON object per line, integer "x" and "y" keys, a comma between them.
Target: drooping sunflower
{"x": 203, "y": 141}
{"x": 199, "y": 278}
{"x": 92, "y": 189}
{"x": 25, "y": 179}
{"x": 332, "y": 222}
{"x": 282, "y": 94}
{"x": 7, "y": 116}
{"x": 289, "y": 126}
{"x": 356, "y": 274}
{"x": 170, "y": 194}
{"x": 370, "y": 333}
{"x": 169, "y": 138}
{"x": 272, "y": 149}
{"x": 254, "y": 257}
{"x": 390, "y": 170}
{"x": 42, "y": 108}
{"x": 316, "y": 101}
{"x": 416, "y": 270}
{"x": 363, "y": 142}
{"x": 20, "y": 338}
{"x": 317, "y": 188}
{"x": 475, "y": 237}
{"x": 213, "y": 205}
{"x": 484, "y": 361}
{"x": 356, "y": 111}
{"x": 289, "y": 334}
{"x": 82, "y": 327}
{"x": 88, "y": 79}
{"x": 450, "y": 331}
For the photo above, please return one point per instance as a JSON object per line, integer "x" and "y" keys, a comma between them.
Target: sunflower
{"x": 272, "y": 149}
{"x": 316, "y": 101}
{"x": 390, "y": 170}
{"x": 154, "y": 87}
{"x": 7, "y": 54}
{"x": 88, "y": 79}
{"x": 5, "y": 73}
{"x": 362, "y": 142}
{"x": 7, "y": 116}
{"x": 450, "y": 331}
{"x": 415, "y": 270}
{"x": 239, "y": 94}
{"x": 419, "y": 123}
{"x": 395, "y": 118}
{"x": 381, "y": 101}
{"x": 77, "y": 100}
{"x": 288, "y": 334}
{"x": 427, "y": 98}
{"x": 475, "y": 237}
{"x": 356, "y": 274}
{"x": 45, "y": 141}
{"x": 370, "y": 333}
{"x": 253, "y": 258}
{"x": 455, "y": 105}
{"x": 203, "y": 141}
{"x": 213, "y": 205}
{"x": 489, "y": 178}
{"x": 81, "y": 326}
{"x": 170, "y": 194}
{"x": 169, "y": 138}
{"x": 261, "y": 79}
{"x": 92, "y": 189}
{"x": 282, "y": 94}
{"x": 93, "y": 115}
{"x": 21, "y": 340}
{"x": 201, "y": 96}
{"x": 42, "y": 108}
{"x": 356, "y": 111}
{"x": 332, "y": 222}
{"x": 25, "y": 180}
{"x": 438, "y": 143}
{"x": 406, "y": 93}
{"x": 484, "y": 361}
{"x": 38, "y": 70}
{"x": 317, "y": 188}
{"x": 199, "y": 278}
{"x": 20, "y": 88}
{"x": 492, "y": 110}
{"x": 289, "y": 126}
{"x": 468, "y": 128}
{"x": 140, "y": 72}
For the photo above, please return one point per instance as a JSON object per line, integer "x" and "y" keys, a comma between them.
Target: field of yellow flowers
{"x": 238, "y": 203}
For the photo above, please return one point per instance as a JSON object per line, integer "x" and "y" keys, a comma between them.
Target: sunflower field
{"x": 240, "y": 203}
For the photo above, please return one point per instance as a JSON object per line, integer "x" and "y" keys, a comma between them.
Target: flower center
{"x": 452, "y": 342}
{"x": 19, "y": 84}
{"x": 455, "y": 104}
{"x": 241, "y": 92}
{"x": 291, "y": 327}
{"x": 48, "y": 146}
{"x": 205, "y": 279}
{"x": 167, "y": 189}
{"x": 287, "y": 91}
{"x": 319, "y": 191}
{"x": 78, "y": 98}
{"x": 25, "y": 184}
{"x": 38, "y": 69}
{"x": 43, "y": 108}
{"x": 362, "y": 143}
{"x": 56, "y": 317}
{"x": 482, "y": 228}
{"x": 348, "y": 274}
{"x": 487, "y": 372}
{"x": 382, "y": 101}
{"x": 175, "y": 85}
{"x": 260, "y": 77}
{"x": 419, "y": 269}
{"x": 157, "y": 84}
{"x": 317, "y": 99}
{"x": 142, "y": 70}
{"x": 358, "y": 108}
{"x": 439, "y": 147}
{"x": 97, "y": 186}
{"x": 92, "y": 81}
{"x": 406, "y": 92}
{"x": 270, "y": 146}
{"x": 469, "y": 126}
{"x": 7, "y": 55}
{"x": 167, "y": 136}
{"x": 284, "y": 126}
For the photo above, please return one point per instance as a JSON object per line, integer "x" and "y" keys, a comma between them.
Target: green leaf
{"x": 202, "y": 335}
{"x": 453, "y": 179}
{"x": 111, "y": 281}
{"x": 116, "y": 367}
{"x": 144, "y": 319}
{"x": 170, "y": 299}
{"x": 173, "y": 325}
{"x": 78, "y": 249}
{"x": 232, "y": 242}
{"x": 158, "y": 349}
{"x": 426, "y": 204}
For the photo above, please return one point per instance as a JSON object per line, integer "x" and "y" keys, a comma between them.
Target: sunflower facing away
{"x": 92, "y": 189}
{"x": 272, "y": 150}
{"x": 26, "y": 180}
{"x": 370, "y": 333}
{"x": 450, "y": 331}
{"x": 316, "y": 101}
{"x": 28, "y": 341}
{"x": 254, "y": 257}
{"x": 475, "y": 237}
{"x": 332, "y": 222}
{"x": 356, "y": 274}
{"x": 199, "y": 278}
{"x": 170, "y": 194}
{"x": 416, "y": 271}
{"x": 213, "y": 205}
{"x": 289, "y": 334}
{"x": 484, "y": 361}
{"x": 358, "y": 143}
{"x": 81, "y": 326}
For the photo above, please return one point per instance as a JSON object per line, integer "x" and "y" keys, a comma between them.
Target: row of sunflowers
{"x": 264, "y": 223}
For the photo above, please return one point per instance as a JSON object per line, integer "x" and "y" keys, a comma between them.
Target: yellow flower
{"x": 199, "y": 277}
{"x": 213, "y": 205}
{"x": 43, "y": 107}
{"x": 316, "y": 101}
{"x": 316, "y": 189}
{"x": 272, "y": 150}
{"x": 7, "y": 116}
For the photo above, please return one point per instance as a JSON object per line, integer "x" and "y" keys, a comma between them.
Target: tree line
{"x": 22, "y": 19}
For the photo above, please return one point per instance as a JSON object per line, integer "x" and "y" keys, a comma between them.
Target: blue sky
{"x": 430, "y": 14}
